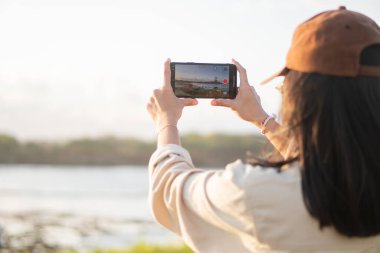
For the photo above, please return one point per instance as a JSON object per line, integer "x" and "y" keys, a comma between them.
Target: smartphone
{"x": 203, "y": 80}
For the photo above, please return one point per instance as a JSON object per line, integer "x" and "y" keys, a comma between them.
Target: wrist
{"x": 168, "y": 127}
{"x": 165, "y": 121}
{"x": 259, "y": 119}
{"x": 168, "y": 134}
{"x": 271, "y": 126}
{"x": 264, "y": 124}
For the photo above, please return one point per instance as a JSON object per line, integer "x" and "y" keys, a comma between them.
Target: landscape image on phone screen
{"x": 202, "y": 81}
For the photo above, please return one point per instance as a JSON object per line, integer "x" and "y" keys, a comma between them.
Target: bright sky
{"x": 73, "y": 68}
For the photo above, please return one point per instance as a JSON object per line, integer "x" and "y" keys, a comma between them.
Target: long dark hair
{"x": 335, "y": 122}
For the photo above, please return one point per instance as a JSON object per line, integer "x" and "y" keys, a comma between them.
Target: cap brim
{"x": 282, "y": 72}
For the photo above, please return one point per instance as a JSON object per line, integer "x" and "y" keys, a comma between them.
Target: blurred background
{"x": 75, "y": 137}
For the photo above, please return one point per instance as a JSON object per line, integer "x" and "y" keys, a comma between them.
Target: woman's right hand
{"x": 247, "y": 103}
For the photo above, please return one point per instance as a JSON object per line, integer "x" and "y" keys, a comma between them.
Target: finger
{"x": 242, "y": 73}
{"x": 156, "y": 92}
{"x": 189, "y": 101}
{"x": 150, "y": 107}
{"x": 167, "y": 74}
{"x": 222, "y": 102}
{"x": 152, "y": 100}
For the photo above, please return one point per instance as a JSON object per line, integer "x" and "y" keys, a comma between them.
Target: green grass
{"x": 148, "y": 248}
{"x": 140, "y": 247}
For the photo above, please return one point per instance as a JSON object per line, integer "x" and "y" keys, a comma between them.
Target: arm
{"x": 168, "y": 135}
{"x": 197, "y": 204}
{"x": 178, "y": 192}
{"x": 248, "y": 107}
{"x": 277, "y": 138}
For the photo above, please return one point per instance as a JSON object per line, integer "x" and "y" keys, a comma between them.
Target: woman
{"x": 328, "y": 197}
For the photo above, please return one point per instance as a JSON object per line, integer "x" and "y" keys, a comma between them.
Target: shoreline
{"x": 39, "y": 231}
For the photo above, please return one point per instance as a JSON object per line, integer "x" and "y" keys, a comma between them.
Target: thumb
{"x": 222, "y": 102}
{"x": 189, "y": 101}
{"x": 167, "y": 74}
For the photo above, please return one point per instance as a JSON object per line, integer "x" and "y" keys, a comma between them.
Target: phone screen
{"x": 203, "y": 80}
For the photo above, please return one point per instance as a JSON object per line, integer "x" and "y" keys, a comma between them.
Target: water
{"x": 79, "y": 206}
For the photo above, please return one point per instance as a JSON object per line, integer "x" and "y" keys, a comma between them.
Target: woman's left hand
{"x": 164, "y": 107}
{"x": 247, "y": 103}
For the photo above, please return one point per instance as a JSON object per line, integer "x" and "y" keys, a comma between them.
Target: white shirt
{"x": 239, "y": 209}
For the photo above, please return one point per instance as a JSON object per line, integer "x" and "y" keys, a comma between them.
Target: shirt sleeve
{"x": 199, "y": 205}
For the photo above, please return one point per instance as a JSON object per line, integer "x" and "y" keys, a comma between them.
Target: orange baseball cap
{"x": 330, "y": 43}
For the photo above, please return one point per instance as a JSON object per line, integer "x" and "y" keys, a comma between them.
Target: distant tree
{"x": 9, "y": 149}
{"x": 213, "y": 150}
